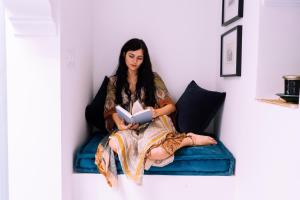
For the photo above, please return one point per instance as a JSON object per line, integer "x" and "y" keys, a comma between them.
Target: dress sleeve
{"x": 110, "y": 106}
{"x": 161, "y": 93}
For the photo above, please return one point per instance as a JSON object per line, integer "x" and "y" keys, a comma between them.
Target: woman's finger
{"x": 134, "y": 126}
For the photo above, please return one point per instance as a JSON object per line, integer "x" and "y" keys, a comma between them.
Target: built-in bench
{"x": 194, "y": 110}
{"x": 197, "y": 160}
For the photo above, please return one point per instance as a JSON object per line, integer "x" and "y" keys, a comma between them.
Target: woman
{"x": 139, "y": 146}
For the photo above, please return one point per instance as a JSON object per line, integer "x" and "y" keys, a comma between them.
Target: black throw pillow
{"x": 196, "y": 108}
{"x": 94, "y": 111}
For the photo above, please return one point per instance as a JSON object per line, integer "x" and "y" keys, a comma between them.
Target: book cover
{"x": 139, "y": 115}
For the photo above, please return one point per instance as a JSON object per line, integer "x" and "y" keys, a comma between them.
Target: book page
{"x": 136, "y": 107}
{"x": 124, "y": 114}
{"x": 142, "y": 116}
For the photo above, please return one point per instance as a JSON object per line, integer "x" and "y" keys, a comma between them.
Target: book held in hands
{"x": 139, "y": 115}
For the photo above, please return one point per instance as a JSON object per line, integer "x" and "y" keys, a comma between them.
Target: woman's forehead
{"x": 138, "y": 52}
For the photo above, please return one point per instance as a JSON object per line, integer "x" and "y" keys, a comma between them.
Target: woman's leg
{"x": 159, "y": 153}
{"x": 198, "y": 140}
{"x": 113, "y": 145}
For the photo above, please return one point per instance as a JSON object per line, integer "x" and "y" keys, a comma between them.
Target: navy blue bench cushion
{"x": 199, "y": 160}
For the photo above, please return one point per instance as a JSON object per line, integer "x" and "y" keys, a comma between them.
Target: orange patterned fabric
{"x": 173, "y": 142}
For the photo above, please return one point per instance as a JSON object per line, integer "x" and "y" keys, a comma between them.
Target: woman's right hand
{"x": 121, "y": 124}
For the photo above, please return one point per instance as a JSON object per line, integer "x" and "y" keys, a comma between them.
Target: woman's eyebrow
{"x": 139, "y": 56}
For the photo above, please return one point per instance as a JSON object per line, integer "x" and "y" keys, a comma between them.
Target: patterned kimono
{"x": 133, "y": 146}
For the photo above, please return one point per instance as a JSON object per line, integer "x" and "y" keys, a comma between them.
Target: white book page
{"x": 142, "y": 111}
{"x": 136, "y": 107}
{"x": 124, "y": 114}
{"x": 142, "y": 116}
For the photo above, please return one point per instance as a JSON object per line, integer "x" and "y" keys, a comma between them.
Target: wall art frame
{"x": 231, "y": 52}
{"x": 232, "y": 10}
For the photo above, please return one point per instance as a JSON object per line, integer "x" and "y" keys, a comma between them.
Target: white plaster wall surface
{"x": 3, "y": 113}
{"x": 237, "y": 126}
{"x": 262, "y": 137}
{"x": 33, "y": 105}
{"x": 76, "y": 82}
{"x": 279, "y": 48}
{"x": 277, "y": 160}
{"x": 29, "y": 8}
{"x": 155, "y": 187}
{"x": 32, "y": 17}
{"x": 182, "y": 38}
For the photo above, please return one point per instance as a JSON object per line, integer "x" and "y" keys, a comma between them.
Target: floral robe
{"x": 133, "y": 146}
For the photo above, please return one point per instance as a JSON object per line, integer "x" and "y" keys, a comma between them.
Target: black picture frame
{"x": 231, "y": 52}
{"x": 232, "y": 10}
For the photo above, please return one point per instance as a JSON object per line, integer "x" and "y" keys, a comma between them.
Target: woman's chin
{"x": 133, "y": 69}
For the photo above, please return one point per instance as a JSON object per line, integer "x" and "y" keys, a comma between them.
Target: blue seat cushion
{"x": 198, "y": 160}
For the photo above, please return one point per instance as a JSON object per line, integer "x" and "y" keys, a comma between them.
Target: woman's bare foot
{"x": 198, "y": 140}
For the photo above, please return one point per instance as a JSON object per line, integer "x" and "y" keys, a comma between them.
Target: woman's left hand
{"x": 133, "y": 126}
{"x": 154, "y": 112}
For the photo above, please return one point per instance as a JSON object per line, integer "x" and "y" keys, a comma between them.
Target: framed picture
{"x": 232, "y": 10}
{"x": 231, "y": 52}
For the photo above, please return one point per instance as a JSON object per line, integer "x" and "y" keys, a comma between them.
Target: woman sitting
{"x": 139, "y": 146}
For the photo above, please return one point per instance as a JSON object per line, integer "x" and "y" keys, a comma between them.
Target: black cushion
{"x": 196, "y": 108}
{"x": 94, "y": 111}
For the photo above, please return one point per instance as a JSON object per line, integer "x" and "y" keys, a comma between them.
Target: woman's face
{"x": 134, "y": 59}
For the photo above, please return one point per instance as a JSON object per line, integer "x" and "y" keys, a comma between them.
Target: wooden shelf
{"x": 279, "y": 102}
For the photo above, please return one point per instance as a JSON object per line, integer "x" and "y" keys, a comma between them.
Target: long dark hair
{"x": 145, "y": 74}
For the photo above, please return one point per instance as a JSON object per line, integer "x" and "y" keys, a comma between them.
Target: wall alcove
{"x": 59, "y": 73}
{"x": 278, "y": 51}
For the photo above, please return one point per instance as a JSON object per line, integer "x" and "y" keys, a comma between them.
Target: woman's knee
{"x": 158, "y": 154}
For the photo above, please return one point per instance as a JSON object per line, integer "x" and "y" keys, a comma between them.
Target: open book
{"x": 139, "y": 114}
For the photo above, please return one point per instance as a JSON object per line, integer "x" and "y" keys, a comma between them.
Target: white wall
{"x": 278, "y": 48}
{"x": 3, "y": 114}
{"x": 76, "y": 82}
{"x": 51, "y": 80}
{"x": 33, "y": 105}
{"x": 262, "y": 137}
{"x": 182, "y": 38}
{"x": 155, "y": 187}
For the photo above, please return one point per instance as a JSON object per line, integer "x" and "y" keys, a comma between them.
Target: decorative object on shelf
{"x": 232, "y": 10}
{"x": 291, "y": 88}
{"x": 231, "y": 52}
{"x": 289, "y": 98}
{"x": 291, "y": 84}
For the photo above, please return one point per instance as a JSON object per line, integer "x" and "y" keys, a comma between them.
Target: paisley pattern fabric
{"x": 133, "y": 146}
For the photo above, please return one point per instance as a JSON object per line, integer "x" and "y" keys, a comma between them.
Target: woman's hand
{"x": 133, "y": 126}
{"x": 154, "y": 112}
{"x": 165, "y": 110}
{"x": 122, "y": 126}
